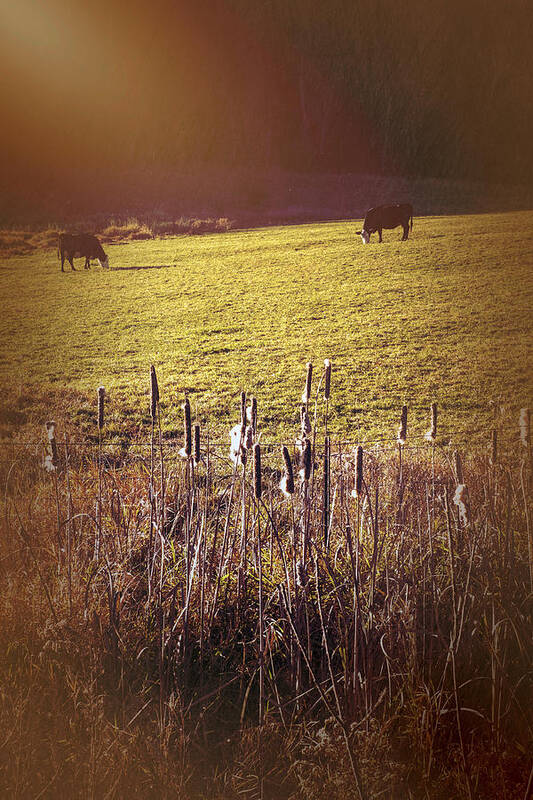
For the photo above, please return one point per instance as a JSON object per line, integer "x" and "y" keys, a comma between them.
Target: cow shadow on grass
{"x": 147, "y": 266}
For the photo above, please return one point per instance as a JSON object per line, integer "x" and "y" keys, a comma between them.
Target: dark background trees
{"x": 440, "y": 88}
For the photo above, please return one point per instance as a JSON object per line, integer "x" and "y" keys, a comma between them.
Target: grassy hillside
{"x": 445, "y": 317}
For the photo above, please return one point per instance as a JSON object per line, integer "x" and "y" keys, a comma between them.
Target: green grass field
{"x": 445, "y": 316}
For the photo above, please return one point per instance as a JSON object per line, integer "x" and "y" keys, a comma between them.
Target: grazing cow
{"x": 387, "y": 217}
{"x": 72, "y": 245}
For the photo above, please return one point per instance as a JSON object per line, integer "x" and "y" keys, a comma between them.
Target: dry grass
{"x": 173, "y": 629}
{"x": 15, "y": 242}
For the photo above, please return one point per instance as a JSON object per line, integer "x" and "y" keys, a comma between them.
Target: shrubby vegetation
{"x": 317, "y": 623}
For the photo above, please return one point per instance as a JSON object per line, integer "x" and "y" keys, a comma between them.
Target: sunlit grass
{"x": 445, "y": 317}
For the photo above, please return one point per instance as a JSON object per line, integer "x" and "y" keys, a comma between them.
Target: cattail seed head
{"x": 460, "y": 499}
{"x": 257, "y": 471}
{"x": 154, "y": 392}
{"x": 327, "y": 378}
{"x": 196, "y": 444}
{"x": 402, "y": 432}
{"x": 248, "y": 441}
{"x": 48, "y": 463}
{"x": 307, "y": 391}
{"x": 305, "y": 422}
{"x": 287, "y": 481}
{"x": 187, "y": 427}
{"x": 101, "y": 398}
{"x": 524, "y": 422}
{"x": 305, "y": 472}
{"x": 235, "y": 436}
{"x": 302, "y": 577}
{"x": 50, "y": 430}
{"x": 431, "y": 435}
{"x": 251, "y": 414}
{"x": 53, "y": 458}
{"x": 358, "y": 484}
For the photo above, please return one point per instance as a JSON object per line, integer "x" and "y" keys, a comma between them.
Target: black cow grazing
{"x": 73, "y": 245}
{"x": 387, "y": 217}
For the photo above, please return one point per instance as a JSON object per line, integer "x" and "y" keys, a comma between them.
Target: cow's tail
{"x": 411, "y": 219}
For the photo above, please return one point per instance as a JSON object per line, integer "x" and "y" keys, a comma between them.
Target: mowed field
{"x": 444, "y": 317}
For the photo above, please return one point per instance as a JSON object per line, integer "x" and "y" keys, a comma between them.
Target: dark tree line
{"x": 439, "y": 88}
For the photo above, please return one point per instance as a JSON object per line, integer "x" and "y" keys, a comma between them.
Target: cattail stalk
{"x": 325, "y": 518}
{"x": 154, "y": 400}
{"x": 402, "y": 438}
{"x": 458, "y": 467}
{"x": 524, "y": 422}
{"x": 101, "y": 398}
{"x": 327, "y": 391}
{"x": 243, "y": 410}
{"x": 257, "y": 494}
{"x": 305, "y": 474}
{"x": 51, "y": 462}
{"x": 187, "y": 427}
{"x": 69, "y": 524}
{"x": 307, "y": 391}
{"x": 257, "y": 471}
{"x": 327, "y": 378}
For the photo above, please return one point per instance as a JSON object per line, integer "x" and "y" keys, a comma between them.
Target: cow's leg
{"x": 380, "y": 236}
{"x": 405, "y": 232}
{"x": 71, "y": 262}
{"x": 87, "y": 262}
{"x": 62, "y": 261}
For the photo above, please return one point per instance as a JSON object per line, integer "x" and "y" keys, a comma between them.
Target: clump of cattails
{"x": 186, "y": 450}
{"x": 460, "y": 499}
{"x": 402, "y": 430}
{"x": 524, "y": 422}
{"x": 51, "y": 459}
{"x": 358, "y": 483}
{"x": 154, "y": 392}
{"x": 287, "y": 481}
{"x": 101, "y": 399}
{"x": 431, "y": 435}
{"x": 306, "y": 396}
{"x": 327, "y": 378}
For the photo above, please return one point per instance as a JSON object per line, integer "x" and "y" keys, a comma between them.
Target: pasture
{"x": 175, "y": 627}
{"x": 443, "y": 317}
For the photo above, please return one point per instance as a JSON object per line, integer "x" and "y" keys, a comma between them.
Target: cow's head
{"x": 104, "y": 262}
{"x": 365, "y": 236}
